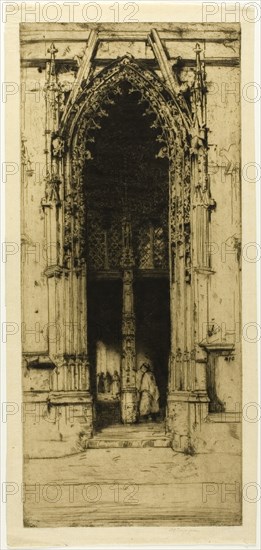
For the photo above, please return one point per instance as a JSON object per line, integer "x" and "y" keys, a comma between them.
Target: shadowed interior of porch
{"x": 126, "y": 193}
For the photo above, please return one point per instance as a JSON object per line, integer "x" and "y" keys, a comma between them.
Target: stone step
{"x": 151, "y": 434}
{"x": 121, "y": 443}
{"x": 133, "y": 431}
{"x": 130, "y": 437}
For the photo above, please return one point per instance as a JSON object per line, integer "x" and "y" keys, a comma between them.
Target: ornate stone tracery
{"x": 90, "y": 103}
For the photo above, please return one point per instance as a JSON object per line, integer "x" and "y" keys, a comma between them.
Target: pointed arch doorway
{"x": 183, "y": 142}
{"x": 126, "y": 193}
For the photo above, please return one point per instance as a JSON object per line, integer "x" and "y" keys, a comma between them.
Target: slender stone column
{"x": 181, "y": 362}
{"x": 128, "y": 365}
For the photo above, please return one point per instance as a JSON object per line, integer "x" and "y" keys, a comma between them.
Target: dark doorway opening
{"x": 104, "y": 341}
{"x": 152, "y": 309}
{"x": 126, "y": 177}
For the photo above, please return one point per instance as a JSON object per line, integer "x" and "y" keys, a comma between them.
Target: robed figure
{"x": 101, "y": 382}
{"x": 149, "y": 393}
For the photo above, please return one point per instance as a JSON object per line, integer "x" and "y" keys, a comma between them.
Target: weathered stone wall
{"x": 224, "y": 160}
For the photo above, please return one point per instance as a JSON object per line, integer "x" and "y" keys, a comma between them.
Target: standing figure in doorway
{"x": 101, "y": 382}
{"x": 149, "y": 394}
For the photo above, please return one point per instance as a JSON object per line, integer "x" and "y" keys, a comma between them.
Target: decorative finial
{"x": 52, "y": 72}
{"x": 52, "y": 50}
{"x": 199, "y": 63}
{"x": 197, "y": 48}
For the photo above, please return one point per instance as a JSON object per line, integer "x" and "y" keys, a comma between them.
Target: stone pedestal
{"x": 186, "y": 412}
{"x": 56, "y": 423}
{"x": 129, "y": 406}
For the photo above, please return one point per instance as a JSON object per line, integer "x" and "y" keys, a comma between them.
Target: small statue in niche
{"x": 116, "y": 385}
{"x": 127, "y": 235}
{"x": 108, "y": 382}
{"x": 58, "y": 146}
{"x": 52, "y": 185}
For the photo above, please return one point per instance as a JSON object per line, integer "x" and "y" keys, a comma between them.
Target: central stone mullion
{"x": 128, "y": 364}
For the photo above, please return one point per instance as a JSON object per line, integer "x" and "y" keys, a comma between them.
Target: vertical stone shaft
{"x": 190, "y": 212}
{"x": 128, "y": 366}
{"x": 51, "y": 204}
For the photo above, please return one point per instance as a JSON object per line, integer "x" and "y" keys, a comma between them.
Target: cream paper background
{"x": 94, "y": 537}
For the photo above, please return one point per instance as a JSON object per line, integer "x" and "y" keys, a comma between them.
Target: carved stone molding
{"x": 71, "y": 373}
{"x": 53, "y": 271}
